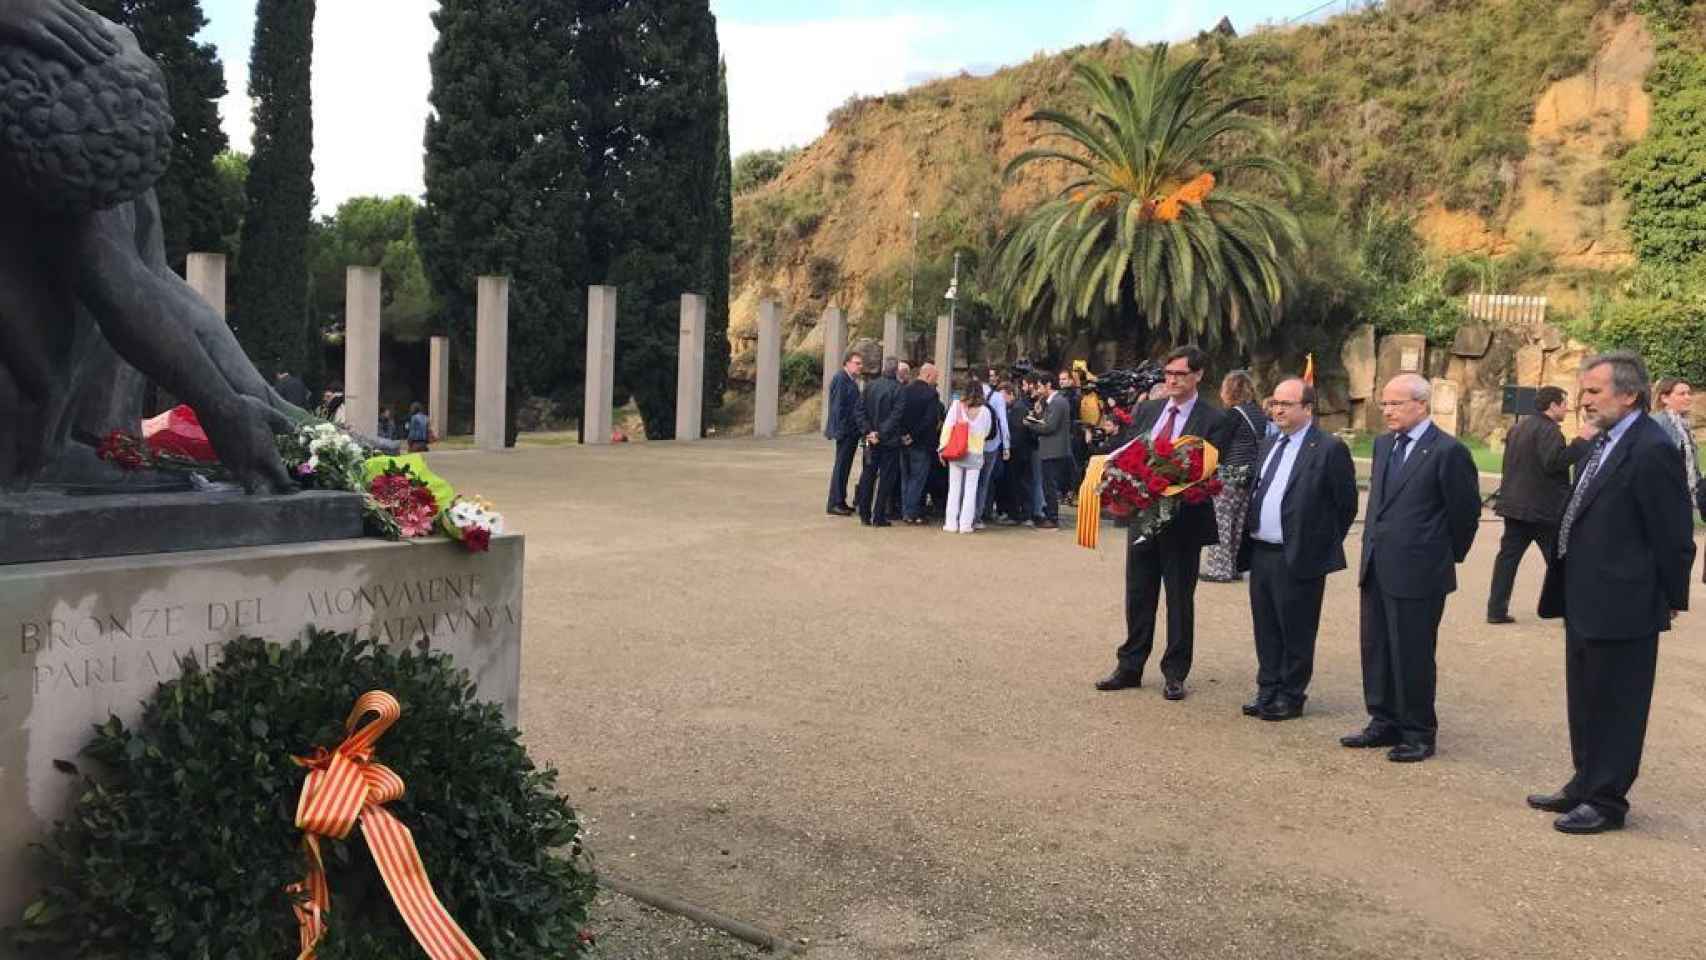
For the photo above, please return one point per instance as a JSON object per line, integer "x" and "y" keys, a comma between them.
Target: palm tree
{"x": 1153, "y": 233}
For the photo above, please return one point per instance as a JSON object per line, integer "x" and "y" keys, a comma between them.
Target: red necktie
{"x": 1167, "y": 424}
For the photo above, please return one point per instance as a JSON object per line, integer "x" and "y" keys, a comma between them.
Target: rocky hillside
{"x": 1490, "y": 124}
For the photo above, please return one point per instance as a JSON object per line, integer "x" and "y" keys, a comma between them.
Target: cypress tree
{"x": 194, "y": 219}
{"x": 505, "y": 193}
{"x": 721, "y": 232}
{"x": 272, "y": 319}
{"x": 653, "y": 125}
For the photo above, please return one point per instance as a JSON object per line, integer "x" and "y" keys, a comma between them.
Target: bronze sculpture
{"x": 88, "y": 305}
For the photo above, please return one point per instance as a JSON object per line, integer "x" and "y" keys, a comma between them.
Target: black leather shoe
{"x": 1551, "y": 802}
{"x": 881, "y": 523}
{"x": 842, "y": 511}
{"x": 1410, "y": 752}
{"x": 1174, "y": 690}
{"x": 1370, "y": 736}
{"x": 1501, "y": 619}
{"x": 1255, "y": 707}
{"x": 1120, "y": 680}
{"x": 1283, "y": 709}
{"x": 1586, "y": 819}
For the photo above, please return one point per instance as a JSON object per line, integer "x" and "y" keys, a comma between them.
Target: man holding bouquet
{"x": 1171, "y": 558}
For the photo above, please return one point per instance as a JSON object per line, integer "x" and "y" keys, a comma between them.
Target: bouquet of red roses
{"x": 1146, "y": 482}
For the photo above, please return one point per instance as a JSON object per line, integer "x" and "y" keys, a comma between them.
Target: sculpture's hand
{"x": 244, "y": 438}
{"x": 61, "y": 29}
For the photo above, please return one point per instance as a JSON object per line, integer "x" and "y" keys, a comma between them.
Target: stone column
{"x": 945, "y": 356}
{"x": 834, "y": 347}
{"x": 491, "y": 363}
{"x": 361, "y": 349}
{"x": 892, "y": 334}
{"x": 205, "y": 273}
{"x": 690, "y": 370}
{"x": 769, "y": 398}
{"x": 600, "y": 363}
{"x": 438, "y": 387}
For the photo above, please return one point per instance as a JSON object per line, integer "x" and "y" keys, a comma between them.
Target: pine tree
{"x": 505, "y": 193}
{"x": 193, "y": 217}
{"x": 272, "y": 319}
{"x": 721, "y": 232}
{"x": 653, "y": 126}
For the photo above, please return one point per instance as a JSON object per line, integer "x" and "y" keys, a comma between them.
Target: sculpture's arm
{"x": 158, "y": 325}
{"x": 60, "y": 29}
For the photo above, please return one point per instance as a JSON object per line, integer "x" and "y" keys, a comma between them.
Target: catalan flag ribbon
{"x": 344, "y": 786}
{"x": 1309, "y": 370}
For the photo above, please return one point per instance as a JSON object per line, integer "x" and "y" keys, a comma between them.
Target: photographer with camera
{"x": 1050, "y": 421}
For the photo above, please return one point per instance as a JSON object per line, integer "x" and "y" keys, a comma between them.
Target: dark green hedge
{"x": 182, "y": 845}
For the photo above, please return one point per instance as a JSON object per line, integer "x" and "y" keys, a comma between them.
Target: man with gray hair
{"x": 881, "y": 469}
{"x": 1625, "y": 549}
{"x": 1424, "y": 503}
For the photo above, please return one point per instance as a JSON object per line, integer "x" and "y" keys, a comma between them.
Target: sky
{"x": 790, "y": 62}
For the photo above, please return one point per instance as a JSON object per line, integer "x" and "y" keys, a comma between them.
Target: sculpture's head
{"x": 76, "y": 140}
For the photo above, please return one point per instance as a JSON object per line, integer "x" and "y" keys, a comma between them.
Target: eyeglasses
{"x": 1284, "y": 404}
{"x": 1178, "y": 374}
{"x": 1391, "y": 404}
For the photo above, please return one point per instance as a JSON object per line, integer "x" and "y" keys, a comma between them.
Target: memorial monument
{"x": 112, "y": 573}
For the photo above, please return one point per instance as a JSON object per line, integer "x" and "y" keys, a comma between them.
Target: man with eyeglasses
{"x": 1301, "y": 507}
{"x": 1173, "y": 558}
{"x": 1424, "y": 504}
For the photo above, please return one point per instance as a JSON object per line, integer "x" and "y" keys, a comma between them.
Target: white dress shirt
{"x": 1268, "y": 526}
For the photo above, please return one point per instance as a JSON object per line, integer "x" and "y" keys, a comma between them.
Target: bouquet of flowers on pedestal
{"x": 1146, "y": 483}
{"x": 472, "y": 521}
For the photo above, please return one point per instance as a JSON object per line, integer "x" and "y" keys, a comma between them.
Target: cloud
{"x": 784, "y": 78}
{"x": 370, "y": 87}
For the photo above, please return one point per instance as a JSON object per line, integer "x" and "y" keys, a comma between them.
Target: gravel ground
{"x": 630, "y": 930}
{"x": 885, "y": 743}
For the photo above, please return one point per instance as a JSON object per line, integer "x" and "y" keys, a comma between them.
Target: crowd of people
{"x": 415, "y": 430}
{"x": 1611, "y": 509}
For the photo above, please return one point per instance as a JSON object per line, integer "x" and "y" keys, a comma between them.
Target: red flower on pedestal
{"x": 477, "y": 539}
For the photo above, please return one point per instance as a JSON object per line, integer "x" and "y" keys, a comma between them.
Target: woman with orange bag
{"x": 961, "y": 449}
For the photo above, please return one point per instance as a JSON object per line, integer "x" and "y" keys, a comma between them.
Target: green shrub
{"x": 755, "y": 168}
{"x": 802, "y": 373}
{"x": 1669, "y": 334}
{"x": 182, "y": 848}
{"x": 1664, "y": 176}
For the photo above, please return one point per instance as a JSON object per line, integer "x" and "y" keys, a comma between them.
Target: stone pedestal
{"x": 205, "y": 273}
{"x": 894, "y": 336}
{"x": 491, "y": 362}
{"x": 769, "y": 398}
{"x": 361, "y": 349}
{"x": 834, "y": 347}
{"x": 690, "y": 373}
{"x": 1445, "y": 406}
{"x": 438, "y": 387}
{"x": 945, "y": 356}
{"x": 600, "y": 364}
{"x": 92, "y": 638}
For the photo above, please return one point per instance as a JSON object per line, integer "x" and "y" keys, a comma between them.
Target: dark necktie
{"x": 1394, "y": 464}
{"x": 1588, "y": 471}
{"x": 1167, "y": 423}
{"x": 1267, "y": 481}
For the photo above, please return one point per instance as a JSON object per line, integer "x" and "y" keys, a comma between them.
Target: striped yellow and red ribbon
{"x": 344, "y": 786}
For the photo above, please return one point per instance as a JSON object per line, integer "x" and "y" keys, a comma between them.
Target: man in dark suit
{"x": 1173, "y": 558}
{"x": 883, "y": 408}
{"x": 1301, "y": 507}
{"x": 1625, "y": 550}
{"x": 1531, "y": 497}
{"x": 845, "y": 426}
{"x": 1424, "y": 503}
{"x": 919, "y": 429}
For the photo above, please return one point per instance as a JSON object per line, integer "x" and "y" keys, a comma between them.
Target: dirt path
{"x": 885, "y": 741}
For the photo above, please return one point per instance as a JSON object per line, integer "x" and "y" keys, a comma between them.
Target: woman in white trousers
{"x": 963, "y": 473}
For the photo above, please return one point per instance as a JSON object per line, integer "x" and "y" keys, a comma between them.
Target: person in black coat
{"x": 1171, "y": 560}
{"x": 1532, "y": 494}
{"x": 1424, "y": 504}
{"x": 845, "y": 426}
{"x": 920, "y": 426}
{"x": 291, "y": 388}
{"x": 882, "y": 421}
{"x": 1625, "y": 550}
{"x": 1302, "y": 504}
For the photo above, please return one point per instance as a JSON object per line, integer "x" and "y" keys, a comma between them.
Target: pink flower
{"x": 415, "y": 520}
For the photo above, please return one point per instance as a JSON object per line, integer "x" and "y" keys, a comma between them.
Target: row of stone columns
{"x": 835, "y": 348}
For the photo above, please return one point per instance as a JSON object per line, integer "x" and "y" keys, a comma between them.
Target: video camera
{"x": 1126, "y": 388}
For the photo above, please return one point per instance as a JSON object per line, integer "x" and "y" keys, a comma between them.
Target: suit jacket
{"x": 1195, "y": 523}
{"x": 1053, "y": 428}
{"x": 1414, "y": 538}
{"x": 844, "y": 408}
{"x": 883, "y": 409}
{"x": 1024, "y": 441}
{"x": 1317, "y": 507}
{"x": 920, "y": 405}
{"x": 1536, "y": 483}
{"x": 1631, "y": 544}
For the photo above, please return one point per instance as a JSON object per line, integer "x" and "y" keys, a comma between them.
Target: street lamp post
{"x": 912, "y": 284}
